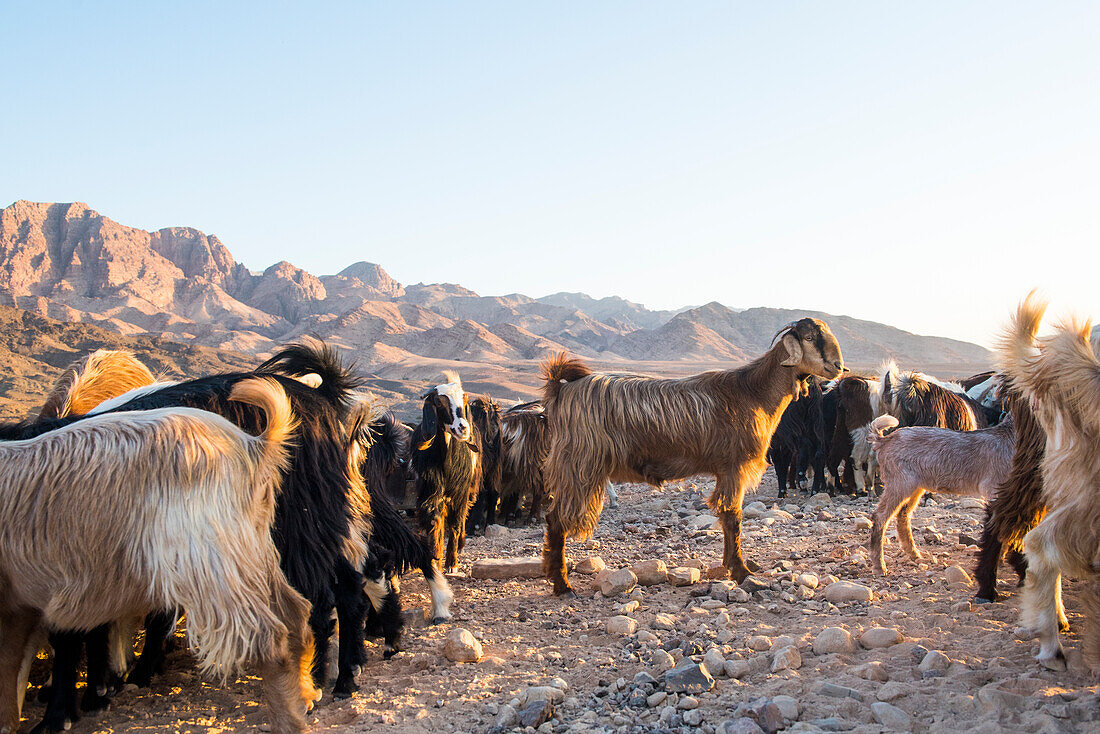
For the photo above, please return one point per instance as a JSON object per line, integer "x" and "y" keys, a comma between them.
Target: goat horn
{"x": 783, "y": 330}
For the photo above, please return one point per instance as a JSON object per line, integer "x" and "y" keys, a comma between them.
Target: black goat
{"x": 322, "y": 512}
{"x": 486, "y": 418}
{"x": 526, "y": 443}
{"x": 799, "y": 440}
{"x": 446, "y": 456}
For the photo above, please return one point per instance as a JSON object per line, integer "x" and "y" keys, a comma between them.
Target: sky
{"x": 919, "y": 164}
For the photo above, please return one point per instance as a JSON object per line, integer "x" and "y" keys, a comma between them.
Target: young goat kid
{"x": 1060, "y": 375}
{"x": 446, "y": 457}
{"x": 179, "y": 504}
{"x": 920, "y": 459}
{"x": 646, "y": 429}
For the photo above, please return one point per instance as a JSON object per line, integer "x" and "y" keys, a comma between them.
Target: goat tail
{"x": 87, "y": 382}
{"x": 338, "y": 382}
{"x": 1018, "y": 352}
{"x": 1069, "y": 373}
{"x": 880, "y": 428}
{"x": 559, "y": 368}
{"x": 270, "y": 447}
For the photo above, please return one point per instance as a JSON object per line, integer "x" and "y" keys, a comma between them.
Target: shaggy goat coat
{"x": 87, "y": 382}
{"x": 1018, "y": 506}
{"x": 485, "y": 415}
{"x": 1060, "y": 375}
{"x": 645, "y": 429}
{"x": 526, "y": 444}
{"x": 179, "y": 504}
{"x": 923, "y": 459}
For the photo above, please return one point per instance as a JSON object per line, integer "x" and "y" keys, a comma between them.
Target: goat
{"x": 526, "y": 443}
{"x": 917, "y": 399}
{"x": 322, "y": 512}
{"x": 179, "y": 504}
{"x": 1018, "y": 506}
{"x": 446, "y": 457}
{"x": 634, "y": 428}
{"x": 835, "y": 453}
{"x": 485, "y": 415}
{"x": 1060, "y": 375}
{"x": 87, "y": 382}
{"x": 858, "y": 402}
{"x": 799, "y": 440}
{"x": 919, "y": 459}
{"x": 386, "y": 465}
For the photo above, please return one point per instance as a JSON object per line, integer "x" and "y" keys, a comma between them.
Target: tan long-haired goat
{"x": 1061, "y": 376}
{"x": 121, "y": 514}
{"x": 87, "y": 382}
{"x": 634, "y": 428}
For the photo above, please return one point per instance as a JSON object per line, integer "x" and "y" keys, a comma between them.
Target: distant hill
{"x": 70, "y": 263}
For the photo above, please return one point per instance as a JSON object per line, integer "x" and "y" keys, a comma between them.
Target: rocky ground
{"x": 818, "y": 644}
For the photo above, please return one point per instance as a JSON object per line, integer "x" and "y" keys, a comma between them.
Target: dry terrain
{"x": 935, "y": 662}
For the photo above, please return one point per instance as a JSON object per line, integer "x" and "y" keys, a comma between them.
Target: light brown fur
{"x": 634, "y": 428}
{"x": 1060, "y": 374}
{"x": 87, "y": 382}
{"x": 178, "y": 505}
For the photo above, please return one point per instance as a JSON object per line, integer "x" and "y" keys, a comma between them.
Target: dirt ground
{"x": 991, "y": 682}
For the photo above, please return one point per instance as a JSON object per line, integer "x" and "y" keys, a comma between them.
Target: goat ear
{"x": 427, "y": 444}
{"x": 794, "y": 350}
{"x": 429, "y": 420}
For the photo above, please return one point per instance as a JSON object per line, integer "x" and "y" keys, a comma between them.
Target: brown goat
{"x": 526, "y": 443}
{"x": 635, "y": 428}
{"x": 919, "y": 459}
{"x": 1060, "y": 375}
{"x": 857, "y": 399}
{"x": 1018, "y": 505}
{"x": 87, "y": 382}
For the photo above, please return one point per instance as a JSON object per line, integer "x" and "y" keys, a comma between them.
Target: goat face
{"x": 448, "y": 406}
{"x": 812, "y": 348}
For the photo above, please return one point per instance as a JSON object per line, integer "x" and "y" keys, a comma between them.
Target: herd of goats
{"x": 263, "y": 504}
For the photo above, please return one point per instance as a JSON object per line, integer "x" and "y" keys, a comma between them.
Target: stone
{"x": 837, "y": 691}
{"x": 833, "y": 640}
{"x": 873, "y": 670}
{"x": 738, "y": 596}
{"x": 752, "y": 584}
{"x": 460, "y": 646}
{"x": 591, "y": 565}
{"x": 687, "y": 703}
{"x": 693, "y": 678}
{"x": 621, "y": 625}
{"x": 496, "y": 531}
{"x": 663, "y": 621}
{"x": 536, "y": 714}
{"x": 759, "y": 643}
{"x": 618, "y": 582}
{"x": 957, "y": 577}
{"x": 973, "y": 503}
{"x": 661, "y": 660}
{"x": 934, "y": 664}
{"x": 891, "y": 716}
{"x": 528, "y": 567}
{"x": 693, "y": 717}
{"x": 788, "y": 707}
{"x": 788, "y": 658}
{"x": 737, "y": 668}
{"x": 877, "y": 637}
{"x": 506, "y": 718}
{"x": 703, "y": 522}
{"x": 649, "y": 573}
{"x": 684, "y": 576}
{"x": 892, "y": 691}
{"x": 714, "y": 660}
{"x": 721, "y": 590}
{"x": 754, "y": 510}
{"x": 743, "y": 725}
{"x": 862, "y": 523}
{"x": 553, "y": 694}
{"x": 655, "y": 699}
{"x": 839, "y": 592}
{"x": 992, "y": 698}
{"x": 808, "y": 580}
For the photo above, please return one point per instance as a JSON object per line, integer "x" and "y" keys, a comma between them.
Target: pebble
{"x": 891, "y": 716}
{"x": 877, "y": 637}
{"x": 737, "y": 668}
{"x": 656, "y": 699}
{"x": 837, "y": 691}
{"x": 721, "y": 590}
{"x": 788, "y": 707}
{"x": 842, "y": 591}
{"x": 663, "y": 622}
{"x": 759, "y": 643}
{"x": 689, "y": 679}
{"x": 628, "y": 607}
{"x": 507, "y": 718}
{"x": 739, "y": 596}
{"x": 862, "y": 523}
{"x": 787, "y": 658}
{"x": 618, "y": 582}
{"x": 744, "y": 725}
{"x": 874, "y": 670}
{"x": 754, "y": 510}
{"x": 752, "y": 584}
{"x": 553, "y": 694}
{"x": 661, "y": 660}
{"x": 621, "y": 625}
{"x": 687, "y": 703}
{"x": 808, "y": 580}
{"x": 892, "y": 691}
{"x": 935, "y": 663}
{"x": 649, "y": 573}
{"x": 693, "y": 717}
{"x": 957, "y": 577}
{"x": 684, "y": 576}
{"x": 832, "y": 640}
{"x": 496, "y": 531}
{"x": 591, "y": 565}
{"x": 714, "y": 660}
{"x": 460, "y": 646}
{"x": 536, "y": 714}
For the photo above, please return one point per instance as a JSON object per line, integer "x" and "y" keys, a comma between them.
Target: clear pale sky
{"x": 921, "y": 164}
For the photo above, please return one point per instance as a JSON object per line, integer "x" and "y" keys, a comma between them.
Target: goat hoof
{"x": 983, "y": 600}
{"x": 94, "y": 702}
{"x": 567, "y": 594}
{"x": 440, "y": 619}
{"x": 390, "y": 652}
{"x": 344, "y": 688}
{"x": 1055, "y": 662}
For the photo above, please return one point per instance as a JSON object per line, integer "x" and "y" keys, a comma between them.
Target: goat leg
{"x": 158, "y": 627}
{"x": 351, "y": 609}
{"x": 61, "y": 710}
{"x": 97, "y": 643}
{"x": 16, "y": 652}
{"x": 553, "y": 556}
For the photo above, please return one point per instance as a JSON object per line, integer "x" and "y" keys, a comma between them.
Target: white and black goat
{"x": 171, "y": 507}
{"x": 446, "y": 455}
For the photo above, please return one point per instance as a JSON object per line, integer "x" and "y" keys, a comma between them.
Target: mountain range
{"x": 67, "y": 262}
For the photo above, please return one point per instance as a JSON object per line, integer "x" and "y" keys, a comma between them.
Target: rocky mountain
{"x": 70, "y": 263}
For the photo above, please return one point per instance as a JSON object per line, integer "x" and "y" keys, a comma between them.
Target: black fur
{"x": 799, "y": 440}
{"x": 486, "y": 417}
